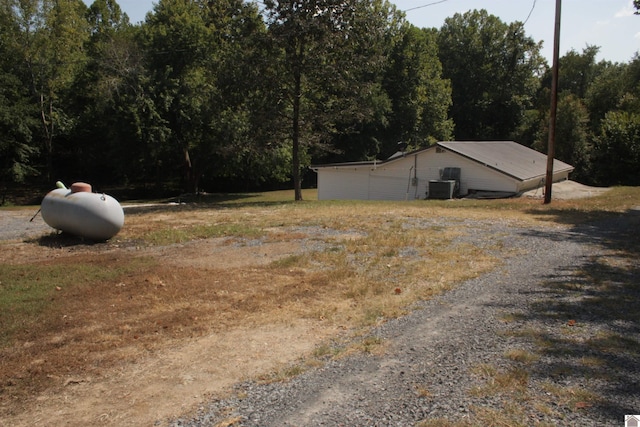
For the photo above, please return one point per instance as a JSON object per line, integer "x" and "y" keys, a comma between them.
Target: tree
{"x": 242, "y": 143}
{"x": 51, "y": 34}
{"x": 333, "y": 54}
{"x": 203, "y": 87}
{"x": 605, "y": 93}
{"x": 177, "y": 40}
{"x": 301, "y": 27}
{"x": 494, "y": 70}
{"x": 614, "y": 102}
{"x": 578, "y": 71}
{"x": 573, "y": 144}
{"x": 420, "y": 96}
{"x": 17, "y": 115}
{"x": 110, "y": 101}
{"x": 247, "y": 147}
{"x": 617, "y": 149}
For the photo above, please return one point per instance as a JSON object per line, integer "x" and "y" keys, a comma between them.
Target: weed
{"x": 445, "y": 422}
{"x": 282, "y": 374}
{"x": 522, "y": 356}
{"x": 423, "y": 392}
{"x": 510, "y": 381}
{"x": 180, "y": 234}
{"x": 372, "y": 345}
{"x": 571, "y": 396}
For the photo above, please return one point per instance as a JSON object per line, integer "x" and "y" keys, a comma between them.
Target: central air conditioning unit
{"x": 447, "y": 187}
{"x": 439, "y": 189}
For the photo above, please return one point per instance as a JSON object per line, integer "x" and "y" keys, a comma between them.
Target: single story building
{"x": 444, "y": 170}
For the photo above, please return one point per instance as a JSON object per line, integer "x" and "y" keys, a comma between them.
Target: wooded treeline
{"x": 229, "y": 95}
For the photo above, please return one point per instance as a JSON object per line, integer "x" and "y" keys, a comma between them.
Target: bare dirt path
{"x": 169, "y": 382}
{"x": 168, "y": 376}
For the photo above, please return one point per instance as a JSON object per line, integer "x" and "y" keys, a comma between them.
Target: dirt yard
{"x": 135, "y": 333}
{"x": 154, "y": 343}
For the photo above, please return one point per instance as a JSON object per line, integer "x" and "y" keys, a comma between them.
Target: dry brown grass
{"x": 184, "y": 272}
{"x": 179, "y": 273}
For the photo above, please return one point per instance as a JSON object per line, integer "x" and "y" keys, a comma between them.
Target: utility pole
{"x": 548, "y": 183}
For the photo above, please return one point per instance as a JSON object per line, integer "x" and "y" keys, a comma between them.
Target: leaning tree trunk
{"x": 190, "y": 175}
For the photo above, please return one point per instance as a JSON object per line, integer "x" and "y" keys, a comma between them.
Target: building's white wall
{"x": 343, "y": 184}
{"x": 385, "y": 187}
{"x": 560, "y": 176}
{"x": 539, "y": 182}
{"x": 473, "y": 176}
{"x": 391, "y": 180}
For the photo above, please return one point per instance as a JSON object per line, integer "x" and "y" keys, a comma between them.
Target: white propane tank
{"x": 80, "y": 212}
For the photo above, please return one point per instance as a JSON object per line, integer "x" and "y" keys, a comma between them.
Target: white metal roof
{"x": 507, "y": 157}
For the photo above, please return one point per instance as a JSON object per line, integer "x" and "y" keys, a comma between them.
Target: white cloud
{"x": 626, "y": 11}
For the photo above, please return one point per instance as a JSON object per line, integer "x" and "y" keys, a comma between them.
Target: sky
{"x": 609, "y": 24}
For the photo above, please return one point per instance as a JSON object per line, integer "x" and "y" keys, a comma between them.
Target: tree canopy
{"x": 493, "y": 68}
{"x": 234, "y": 95}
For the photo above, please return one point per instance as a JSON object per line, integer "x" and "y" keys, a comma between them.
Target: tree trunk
{"x": 297, "y": 179}
{"x": 47, "y": 126}
{"x": 191, "y": 181}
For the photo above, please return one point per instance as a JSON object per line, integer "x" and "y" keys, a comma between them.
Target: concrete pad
{"x": 566, "y": 190}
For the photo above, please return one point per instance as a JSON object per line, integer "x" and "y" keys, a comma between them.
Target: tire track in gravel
{"x": 428, "y": 368}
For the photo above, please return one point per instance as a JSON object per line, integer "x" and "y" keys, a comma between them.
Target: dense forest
{"x": 231, "y": 95}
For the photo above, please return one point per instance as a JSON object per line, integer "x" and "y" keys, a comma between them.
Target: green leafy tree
{"x": 578, "y": 71}
{"x": 17, "y": 113}
{"x": 333, "y": 53}
{"x": 302, "y": 27}
{"x": 52, "y": 35}
{"x": 362, "y": 128}
{"x": 109, "y": 100}
{"x": 16, "y": 123}
{"x": 614, "y": 102}
{"x": 573, "y": 142}
{"x": 242, "y": 145}
{"x": 617, "y": 149}
{"x": 587, "y": 91}
{"x": 193, "y": 49}
{"x": 178, "y": 45}
{"x": 605, "y": 93}
{"x": 494, "y": 70}
{"x": 420, "y": 97}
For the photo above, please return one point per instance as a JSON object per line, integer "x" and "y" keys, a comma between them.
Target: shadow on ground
{"x": 585, "y": 322}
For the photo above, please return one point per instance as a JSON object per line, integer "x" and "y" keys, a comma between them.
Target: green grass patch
{"x": 28, "y": 291}
{"x": 172, "y": 235}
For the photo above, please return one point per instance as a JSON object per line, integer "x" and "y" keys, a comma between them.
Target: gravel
{"x": 439, "y": 359}
{"x": 22, "y": 224}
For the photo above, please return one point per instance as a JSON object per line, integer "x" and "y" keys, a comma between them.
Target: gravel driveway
{"x": 444, "y": 361}
{"x": 18, "y": 224}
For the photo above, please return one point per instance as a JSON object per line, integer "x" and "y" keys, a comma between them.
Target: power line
{"x": 443, "y": 1}
{"x": 530, "y": 12}
{"x": 425, "y": 5}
